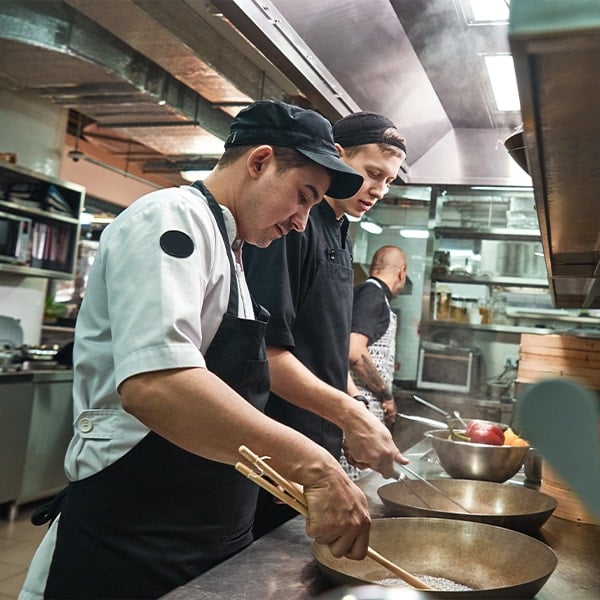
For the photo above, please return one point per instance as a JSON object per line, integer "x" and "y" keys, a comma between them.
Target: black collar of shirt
{"x": 328, "y": 213}
{"x": 384, "y": 287}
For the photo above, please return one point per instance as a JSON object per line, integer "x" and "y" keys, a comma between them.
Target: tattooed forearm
{"x": 368, "y": 374}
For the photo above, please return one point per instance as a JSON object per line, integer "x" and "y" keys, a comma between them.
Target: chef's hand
{"x": 369, "y": 443}
{"x": 389, "y": 412}
{"x": 338, "y": 515}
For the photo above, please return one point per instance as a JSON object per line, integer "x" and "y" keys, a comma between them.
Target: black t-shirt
{"x": 282, "y": 275}
{"x": 305, "y": 281}
{"x": 370, "y": 312}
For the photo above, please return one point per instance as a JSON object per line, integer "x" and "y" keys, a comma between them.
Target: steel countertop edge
{"x": 36, "y": 375}
{"x": 280, "y": 564}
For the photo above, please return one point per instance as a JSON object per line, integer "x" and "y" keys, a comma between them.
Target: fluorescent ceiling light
{"x": 352, "y": 218}
{"x": 420, "y": 234}
{"x": 501, "y": 71}
{"x": 371, "y": 227}
{"x": 192, "y": 176}
{"x": 490, "y": 10}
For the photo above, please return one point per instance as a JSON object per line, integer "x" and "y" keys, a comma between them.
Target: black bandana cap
{"x": 361, "y": 128}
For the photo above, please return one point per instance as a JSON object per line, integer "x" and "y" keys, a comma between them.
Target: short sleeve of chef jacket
{"x": 279, "y": 277}
{"x": 370, "y": 312}
{"x": 164, "y": 293}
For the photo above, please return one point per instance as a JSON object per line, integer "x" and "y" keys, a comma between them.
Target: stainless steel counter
{"x": 36, "y": 375}
{"x": 280, "y": 566}
{"x": 36, "y": 412}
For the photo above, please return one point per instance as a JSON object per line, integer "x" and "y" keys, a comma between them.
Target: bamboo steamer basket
{"x": 558, "y": 355}
{"x": 569, "y": 506}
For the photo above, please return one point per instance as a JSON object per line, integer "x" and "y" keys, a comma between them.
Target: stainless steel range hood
{"x": 168, "y": 75}
{"x": 556, "y": 47}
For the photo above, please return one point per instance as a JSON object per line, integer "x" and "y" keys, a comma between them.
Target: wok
{"x": 496, "y": 562}
{"x": 502, "y": 504}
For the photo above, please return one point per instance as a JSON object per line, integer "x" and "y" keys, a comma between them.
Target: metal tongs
{"x": 428, "y": 483}
{"x": 291, "y": 494}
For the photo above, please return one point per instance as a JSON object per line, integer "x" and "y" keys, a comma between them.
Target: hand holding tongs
{"x": 293, "y": 496}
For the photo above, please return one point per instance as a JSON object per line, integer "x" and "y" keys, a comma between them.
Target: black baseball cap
{"x": 280, "y": 124}
{"x": 364, "y": 127}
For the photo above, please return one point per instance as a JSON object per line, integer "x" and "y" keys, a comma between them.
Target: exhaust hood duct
{"x": 55, "y": 51}
{"x": 269, "y": 31}
{"x": 555, "y": 46}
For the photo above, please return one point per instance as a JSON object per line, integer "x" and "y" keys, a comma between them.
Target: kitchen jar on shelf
{"x": 484, "y": 311}
{"x": 499, "y": 310}
{"x": 472, "y": 311}
{"x": 457, "y": 310}
{"x": 443, "y": 298}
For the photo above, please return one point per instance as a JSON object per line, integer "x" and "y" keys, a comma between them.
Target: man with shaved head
{"x": 373, "y": 338}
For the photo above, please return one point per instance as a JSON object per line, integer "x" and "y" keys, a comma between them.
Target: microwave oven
{"x": 14, "y": 238}
{"x": 449, "y": 369}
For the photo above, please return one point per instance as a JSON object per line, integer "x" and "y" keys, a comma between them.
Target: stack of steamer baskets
{"x": 550, "y": 356}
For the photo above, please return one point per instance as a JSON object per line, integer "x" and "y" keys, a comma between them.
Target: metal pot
{"x": 468, "y": 460}
{"x": 494, "y": 561}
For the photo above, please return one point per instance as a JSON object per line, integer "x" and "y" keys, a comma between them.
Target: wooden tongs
{"x": 290, "y": 494}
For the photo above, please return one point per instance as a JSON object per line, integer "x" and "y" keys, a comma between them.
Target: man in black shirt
{"x": 305, "y": 281}
{"x": 373, "y": 338}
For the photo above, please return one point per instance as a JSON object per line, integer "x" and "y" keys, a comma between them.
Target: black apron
{"x": 322, "y": 331}
{"x": 322, "y": 338}
{"x": 160, "y": 516}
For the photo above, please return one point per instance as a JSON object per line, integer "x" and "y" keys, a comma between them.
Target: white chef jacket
{"x": 145, "y": 310}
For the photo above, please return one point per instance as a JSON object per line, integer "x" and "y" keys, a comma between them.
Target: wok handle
{"x": 396, "y": 570}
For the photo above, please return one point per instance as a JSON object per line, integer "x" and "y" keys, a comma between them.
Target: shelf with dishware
{"x": 489, "y": 280}
{"x": 485, "y": 282}
{"x": 39, "y": 223}
{"x": 487, "y": 270}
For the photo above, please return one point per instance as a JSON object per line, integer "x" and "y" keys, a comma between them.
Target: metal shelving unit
{"x": 492, "y": 281}
{"x": 54, "y": 207}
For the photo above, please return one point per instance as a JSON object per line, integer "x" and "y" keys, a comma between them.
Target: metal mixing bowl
{"x": 466, "y": 460}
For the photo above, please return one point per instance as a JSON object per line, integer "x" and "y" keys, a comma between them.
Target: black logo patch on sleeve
{"x": 176, "y": 243}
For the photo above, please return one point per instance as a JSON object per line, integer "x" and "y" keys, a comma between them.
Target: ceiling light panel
{"x": 501, "y": 72}
{"x": 489, "y": 11}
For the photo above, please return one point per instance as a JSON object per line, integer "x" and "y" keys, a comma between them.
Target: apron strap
{"x": 232, "y": 307}
{"x": 50, "y": 510}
